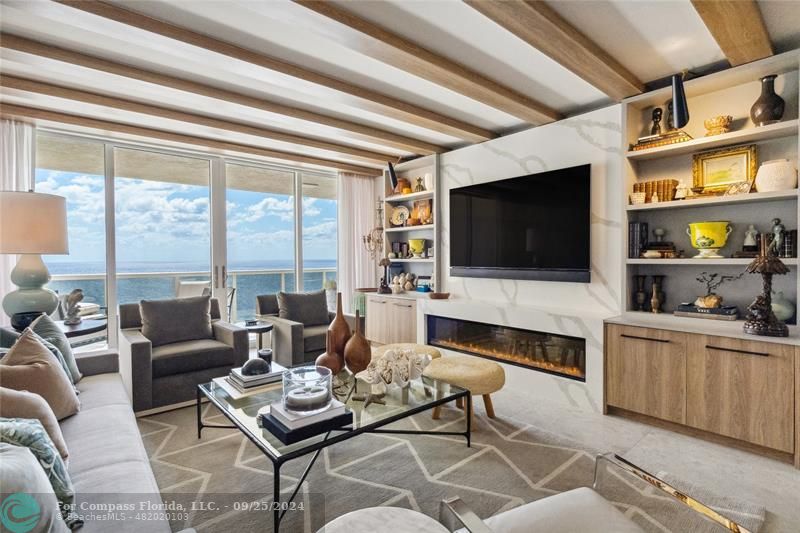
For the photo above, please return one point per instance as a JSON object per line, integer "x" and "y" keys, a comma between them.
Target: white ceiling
{"x": 653, "y": 39}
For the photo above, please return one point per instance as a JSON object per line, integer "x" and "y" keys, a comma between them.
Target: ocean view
{"x": 250, "y": 278}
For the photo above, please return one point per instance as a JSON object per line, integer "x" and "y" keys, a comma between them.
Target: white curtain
{"x": 357, "y": 197}
{"x": 17, "y": 154}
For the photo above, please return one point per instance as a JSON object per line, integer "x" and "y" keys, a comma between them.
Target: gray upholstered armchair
{"x": 168, "y": 347}
{"x": 300, "y": 323}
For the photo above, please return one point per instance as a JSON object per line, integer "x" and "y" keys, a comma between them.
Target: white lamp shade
{"x": 33, "y": 223}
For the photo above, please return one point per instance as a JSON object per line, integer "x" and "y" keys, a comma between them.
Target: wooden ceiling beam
{"x": 402, "y": 53}
{"x": 23, "y": 84}
{"x": 363, "y": 132}
{"x": 389, "y": 106}
{"x": 543, "y": 28}
{"x": 18, "y": 111}
{"x": 738, "y": 27}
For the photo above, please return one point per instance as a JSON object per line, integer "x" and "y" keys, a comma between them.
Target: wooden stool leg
{"x": 436, "y": 412}
{"x": 487, "y": 402}
{"x": 460, "y": 402}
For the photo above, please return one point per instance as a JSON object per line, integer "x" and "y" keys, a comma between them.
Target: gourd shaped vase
{"x": 357, "y": 352}
{"x": 330, "y": 359}
{"x": 769, "y": 107}
{"x": 339, "y": 331}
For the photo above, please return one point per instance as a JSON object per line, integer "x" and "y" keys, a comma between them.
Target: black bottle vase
{"x": 769, "y": 107}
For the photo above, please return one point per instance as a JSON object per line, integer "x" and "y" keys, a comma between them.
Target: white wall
{"x": 569, "y": 308}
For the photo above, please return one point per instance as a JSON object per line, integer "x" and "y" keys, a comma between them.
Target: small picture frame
{"x": 716, "y": 170}
{"x": 740, "y": 187}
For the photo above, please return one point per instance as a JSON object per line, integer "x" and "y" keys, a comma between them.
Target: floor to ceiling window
{"x": 74, "y": 168}
{"x": 163, "y": 225}
{"x": 259, "y": 204}
{"x": 184, "y": 223}
{"x": 319, "y": 231}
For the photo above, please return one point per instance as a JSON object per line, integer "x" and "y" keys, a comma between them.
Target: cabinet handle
{"x": 402, "y": 305}
{"x": 734, "y": 350}
{"x": 379, "y": 301}
{"x": 665, "y": 341}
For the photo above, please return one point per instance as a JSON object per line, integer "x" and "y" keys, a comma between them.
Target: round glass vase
{"x": 307, "y": 389}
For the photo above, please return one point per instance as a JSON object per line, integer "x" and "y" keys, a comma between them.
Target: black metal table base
{"x": 280, "y": 508}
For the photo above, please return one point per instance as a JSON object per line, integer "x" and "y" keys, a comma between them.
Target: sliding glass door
{"x": 260, "y": 213}
{"x": 162, "y": 219}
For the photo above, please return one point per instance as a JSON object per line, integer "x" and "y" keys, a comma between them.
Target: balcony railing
{"x": 135, "y": 286}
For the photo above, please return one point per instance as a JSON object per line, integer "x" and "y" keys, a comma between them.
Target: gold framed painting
{"x": 716, "y": 170}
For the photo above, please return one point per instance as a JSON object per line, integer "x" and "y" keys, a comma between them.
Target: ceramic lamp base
{"x": 30, "y": 275}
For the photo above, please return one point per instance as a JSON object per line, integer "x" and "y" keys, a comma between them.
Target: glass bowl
{"x": 307, "y": 389}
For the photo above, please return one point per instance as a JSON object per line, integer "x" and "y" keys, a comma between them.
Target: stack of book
{"x": 637, "y": 238}
{"x": 291, "y": 427}
{"x": 243, "y": 383}
{"x": 238, "y": 386}
{"x": 725, "y": 312}
{"x": 653, "y": 141}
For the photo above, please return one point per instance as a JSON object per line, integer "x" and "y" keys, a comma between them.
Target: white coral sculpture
{"x": 395, "y": 367}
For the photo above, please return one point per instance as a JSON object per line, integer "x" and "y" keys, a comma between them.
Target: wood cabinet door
{"x": 646, "y": 371}
{"x": 742, "y": 389}
{"x": 402, "y": 314}
{"x": 377, "y": 320}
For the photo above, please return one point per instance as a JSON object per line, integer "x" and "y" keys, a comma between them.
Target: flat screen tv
{"x": 533, "y": 227}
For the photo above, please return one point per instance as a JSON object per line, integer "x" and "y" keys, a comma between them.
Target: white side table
{"x": 375, "y": 519}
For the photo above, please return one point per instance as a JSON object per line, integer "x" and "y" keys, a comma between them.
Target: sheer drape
{"x": 357, "y": 196}
{"x": 17, "y": 150}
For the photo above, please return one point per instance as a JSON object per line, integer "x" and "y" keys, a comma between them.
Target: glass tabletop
{"x": 423, "y": 394}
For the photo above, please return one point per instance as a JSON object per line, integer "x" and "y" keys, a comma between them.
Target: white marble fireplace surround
{"x": 568, "y": 308}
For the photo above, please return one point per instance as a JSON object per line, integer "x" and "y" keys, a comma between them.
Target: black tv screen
{"x": 529, "y": 227}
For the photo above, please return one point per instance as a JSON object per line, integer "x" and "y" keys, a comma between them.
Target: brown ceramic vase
{"x": 357, "y": 351}
{"x": 330, "y": 359}
{"x": 339, "y": 331}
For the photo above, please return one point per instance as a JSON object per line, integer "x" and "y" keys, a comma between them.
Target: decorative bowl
{"x": 440, "y": 295}
{"x": 776, "y": 175}
{"x": 416, "y": 247}
{"x": 717, "y": 125}
{"x": 307, "y": 389}
{"x": 709, "y": 237}
{"x": 638, "y": 198}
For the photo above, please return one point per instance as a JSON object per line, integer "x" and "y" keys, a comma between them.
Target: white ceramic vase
{"x": 776, "y": 175}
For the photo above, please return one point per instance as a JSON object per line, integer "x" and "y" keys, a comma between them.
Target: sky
{"x": 169, "y": 222}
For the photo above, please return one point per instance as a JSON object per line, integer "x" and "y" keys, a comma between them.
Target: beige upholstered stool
{"x": 378, "y": 351}
{"x": 479, "y": 376}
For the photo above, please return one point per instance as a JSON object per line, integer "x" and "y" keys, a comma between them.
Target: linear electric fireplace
{"x": 547, "y": 352}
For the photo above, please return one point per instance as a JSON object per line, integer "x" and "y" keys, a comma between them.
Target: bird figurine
{"x": 72, "y": 309}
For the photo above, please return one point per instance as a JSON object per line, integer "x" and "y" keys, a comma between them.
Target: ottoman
{"x": 479, "y": 376}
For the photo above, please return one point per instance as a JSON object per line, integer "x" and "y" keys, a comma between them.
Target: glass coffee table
{"x": 424, "y": 394}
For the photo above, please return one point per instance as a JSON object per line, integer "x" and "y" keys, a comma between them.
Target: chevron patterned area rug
{"x": 509, "y": 463}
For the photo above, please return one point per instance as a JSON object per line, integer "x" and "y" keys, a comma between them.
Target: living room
{"x": 324, "y": 266}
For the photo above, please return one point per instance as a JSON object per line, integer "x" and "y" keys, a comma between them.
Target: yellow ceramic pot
{"x": 416, "y": 247}
{"x": 709, "y": 237}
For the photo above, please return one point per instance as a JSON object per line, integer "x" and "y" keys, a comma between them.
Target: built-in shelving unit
{"x": 725, "y": 261}
{"x": 786, "y": 128}
{"x": 411, "y": 170}
{"x": 730, "y": 92}
{"x": 409, "y": 229}
{"x": 717, "y": 200}
{"x": 402, "y": 198}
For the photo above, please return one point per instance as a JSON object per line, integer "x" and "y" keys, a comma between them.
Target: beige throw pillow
{"x": 24, "y": 404}
{"x": 30, "y": 366}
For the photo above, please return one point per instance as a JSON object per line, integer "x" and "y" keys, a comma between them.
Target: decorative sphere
{"x": 255, "y": 367}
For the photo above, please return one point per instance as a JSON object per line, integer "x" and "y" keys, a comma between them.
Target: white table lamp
{"x": 31, "y": 224}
